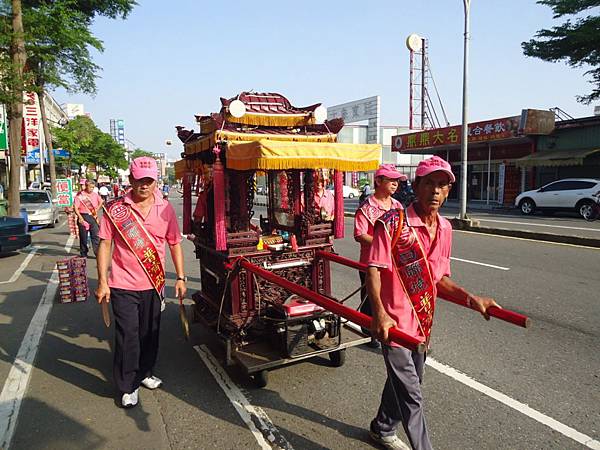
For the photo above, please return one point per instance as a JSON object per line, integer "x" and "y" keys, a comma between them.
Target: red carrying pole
{"x": 499, "y": 313}
{"x": 359, "y": 318}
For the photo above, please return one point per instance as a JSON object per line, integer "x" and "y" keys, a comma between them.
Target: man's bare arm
{"x": 102, "y": 261}
{"x": 449, "y": 289}
{"x": 177, "y": 256}
{"x": 382, "y": 322}
{"x": 364, "y": 239}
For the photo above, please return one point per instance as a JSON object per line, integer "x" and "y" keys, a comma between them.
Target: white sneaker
{"x": 130, "y": 400}
{"x": 390, "y": 442}
{"x": 152, "y": 382}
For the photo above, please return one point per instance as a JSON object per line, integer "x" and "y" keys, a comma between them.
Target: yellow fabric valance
{"x": 280, "y": 155}
{"x": 273, "y": 120}
{"x": 182, "y": 166}
{"x": 249, "y": 136}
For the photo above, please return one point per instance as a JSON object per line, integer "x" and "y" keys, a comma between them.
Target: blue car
{"x": 13, "y": 234}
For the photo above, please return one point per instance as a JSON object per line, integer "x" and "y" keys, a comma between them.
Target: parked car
{"x": 13, "y": 234}
{"x": 40, "y": 208}
{"x": 35, "y": 185}
{"x": 569, "y": 194}
{"x": 350, "y": 192}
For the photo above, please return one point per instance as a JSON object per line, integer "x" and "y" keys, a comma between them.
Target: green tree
{"x": 576, "y": 42}
{"x": 57, "y": 36}
{"x": 139, "y": 152}
{"x": 89, "y": 145}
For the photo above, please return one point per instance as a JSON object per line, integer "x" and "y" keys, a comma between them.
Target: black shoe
{"x": 374, "y": 344}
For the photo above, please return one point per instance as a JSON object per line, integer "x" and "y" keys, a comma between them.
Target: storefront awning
{"x": 280, "y": 155}
{"x": 556, "y": 158}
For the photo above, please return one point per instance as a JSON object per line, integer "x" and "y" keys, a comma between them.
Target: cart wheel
{"x": 261, "y": 378}
{"x": 338, "y": 358}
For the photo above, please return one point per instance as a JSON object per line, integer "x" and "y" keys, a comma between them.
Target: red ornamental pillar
{"x": 188, "y": 179}
{"x": 338, "y": 190}
{"x": 219, "y": 201}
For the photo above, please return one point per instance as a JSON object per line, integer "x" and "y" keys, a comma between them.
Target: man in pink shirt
{"x": 86, "y": 205}
{"x": 130, "y": 287}
{"x": 324, "y": 201}
{"x": 387, "y": 179}
{"x": 409, "y": 264}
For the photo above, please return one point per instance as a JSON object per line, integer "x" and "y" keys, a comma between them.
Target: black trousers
{"x": 83, "y": 235}
{"x": 137, "y": 327}
{"x": 366, "y": 306}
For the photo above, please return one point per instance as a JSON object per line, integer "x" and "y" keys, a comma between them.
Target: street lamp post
{"x": 463, "y": 142}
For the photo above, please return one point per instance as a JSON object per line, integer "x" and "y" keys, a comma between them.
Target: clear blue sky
{"x": 172, "y": 59}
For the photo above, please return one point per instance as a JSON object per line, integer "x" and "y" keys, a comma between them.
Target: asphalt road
{"x": 560, "y": 223}
{"x": 553, "y": 367}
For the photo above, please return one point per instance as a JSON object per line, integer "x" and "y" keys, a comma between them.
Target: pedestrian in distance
{"x": 137, "y": 226}
{"x": 408, "y": 266}
{"x": 86, "y": 205}
{"x": 104, "y": 192}
{"x": 387, "y": 179}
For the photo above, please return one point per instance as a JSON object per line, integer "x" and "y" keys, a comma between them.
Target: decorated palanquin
{"x": 291, "y": 153}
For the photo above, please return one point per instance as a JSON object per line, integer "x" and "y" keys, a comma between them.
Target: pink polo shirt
{"x": 364, "y": 224}
{"x": 94, "y": 199}
{"x": 126, "y": 272}
{"x": 325, "y": 201}
{"x": 393, "y": 297}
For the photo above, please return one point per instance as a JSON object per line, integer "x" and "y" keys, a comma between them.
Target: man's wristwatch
{"x": 183, "y": 278}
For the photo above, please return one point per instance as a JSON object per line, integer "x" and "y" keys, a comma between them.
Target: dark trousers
{"x": 402, "y": 401}
{"x": 137, "y": 327}
{"x": 83, "y": 235}
{"x": 365, "y": 308}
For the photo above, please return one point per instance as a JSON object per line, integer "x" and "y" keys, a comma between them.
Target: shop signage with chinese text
{"x": 489, "y": 130}
{"x": 64, "y": 192}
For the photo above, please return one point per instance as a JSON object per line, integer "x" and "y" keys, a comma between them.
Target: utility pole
{"x": 465, "y": 121}
{"x": 15, "y": 109}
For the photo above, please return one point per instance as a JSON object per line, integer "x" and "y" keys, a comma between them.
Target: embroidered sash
{"x": 411, "y": 265}
{"x": 88, "y": 204}
{"x": 138, "y": 240}
{"x": 372, "y": 213}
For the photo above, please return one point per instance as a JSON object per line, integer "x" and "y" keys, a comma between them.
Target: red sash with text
{"x": 372, "y": 213}
{"x": 88, "y": 204}
{"x": 131, "y": 229}
{"x": 411, "y": 265}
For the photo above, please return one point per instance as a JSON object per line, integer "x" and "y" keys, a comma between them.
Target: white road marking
{"x": 514, "y": 404}
{"x": 539, "y": 225}
{"x": 23, "y": 265}
{"x": 480, "y": 263}
{"x": 18, "y": 378}
{"x": 266, "y": 434}
{"x": 537, "y": 241}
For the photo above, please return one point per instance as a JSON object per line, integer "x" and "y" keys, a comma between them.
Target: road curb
{"x": 457, "y": 224}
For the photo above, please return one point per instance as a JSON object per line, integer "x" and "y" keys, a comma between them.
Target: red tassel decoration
{"x": 187, "y": 202}
{"x": 219, "y": 200}
{"x": 338, "y": 190}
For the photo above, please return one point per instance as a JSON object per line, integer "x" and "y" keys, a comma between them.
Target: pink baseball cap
{"x": 434, "y": 164}
{"x": 143, "y": 167}
{"x": 389, "y": 171}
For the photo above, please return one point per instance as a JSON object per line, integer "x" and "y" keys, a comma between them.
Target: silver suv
{"x": 570, "y": 194}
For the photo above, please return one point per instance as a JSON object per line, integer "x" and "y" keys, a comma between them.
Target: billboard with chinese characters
{"x": 64, "y": 192}
{"x": 489, "y": 130}
{"x": 31, "y": 122}
{"x": 357, "y": 111}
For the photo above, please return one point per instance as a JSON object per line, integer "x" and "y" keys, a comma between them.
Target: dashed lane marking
{"x": 539, "y": 225}
{"x": 479, "y": 263}
{"x": 255, "y": 418}
{"x": 18, "y": 378}
{"x": 563, "y": 429}
{"x": 537, "y": 241}
{"x": 23, "y": 265}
